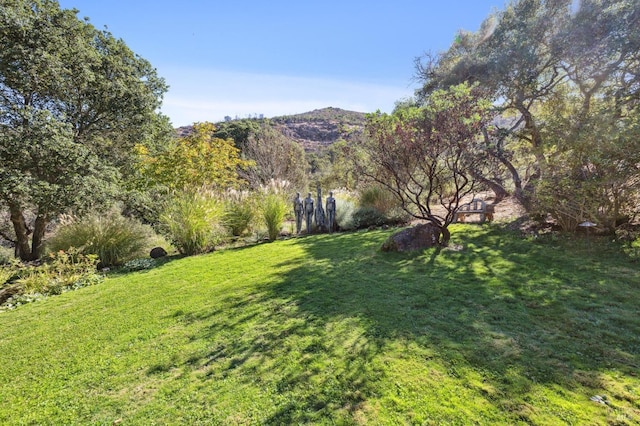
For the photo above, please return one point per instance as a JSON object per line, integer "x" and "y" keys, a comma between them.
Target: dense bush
{"x": 193, "y": 222}
{"x": 376, "y": 207}
{"x": 379, "y": 198}
{"x": 365, "y": 217}
{"x": 629, "y": 236}
{"x": 112, "y": 237}
{"x": 274, "y": 209}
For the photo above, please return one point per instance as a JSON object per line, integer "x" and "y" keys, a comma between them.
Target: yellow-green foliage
{"x": 198, "y": 160}
{"x": 5, "y": 274}
{"x": 60, "y": 271}
{"x": 379, "y": 198}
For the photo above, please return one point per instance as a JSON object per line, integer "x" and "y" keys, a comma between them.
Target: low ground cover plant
{"x": 61, "y": 271}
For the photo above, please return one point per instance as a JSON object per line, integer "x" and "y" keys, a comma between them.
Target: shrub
{"x": 344, "y": 214}
{"x": 380, "y": 199}
{"x": 633, "y": 249}
{"x": 113, "y": 238}
{"x": 193, "y": 222}
{"x": 274, "y": 209}
{"x": 61, "y": 271}
{"x": 365, "y": 217}
{"x": 5, "y": 273}
{"x": 238, "y": 214}
{"x": 629, "y": 236}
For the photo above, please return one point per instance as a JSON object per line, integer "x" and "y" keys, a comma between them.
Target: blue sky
{"x": 241, "y": 58}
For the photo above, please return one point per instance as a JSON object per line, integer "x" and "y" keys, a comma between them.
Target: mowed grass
{"x": 329, "y": 330}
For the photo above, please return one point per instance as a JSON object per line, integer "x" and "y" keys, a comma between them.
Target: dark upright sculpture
{"x": 319, "y": 212}
{"x": 308, "y": 211}
{"x": 331, "y": 212}
{"x": 298, "y": 210}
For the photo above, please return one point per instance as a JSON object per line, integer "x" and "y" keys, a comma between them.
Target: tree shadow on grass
{"x": 518, "y": 312}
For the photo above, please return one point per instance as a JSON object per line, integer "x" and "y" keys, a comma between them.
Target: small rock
{"x": 600, "y": 399}
{"x": 157, "y": 252}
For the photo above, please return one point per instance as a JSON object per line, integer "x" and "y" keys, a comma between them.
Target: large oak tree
{"x": 73, "y": 102}
{"x": 563, "y": 77}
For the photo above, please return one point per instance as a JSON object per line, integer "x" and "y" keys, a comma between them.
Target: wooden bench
{"x": 476, "y": 206}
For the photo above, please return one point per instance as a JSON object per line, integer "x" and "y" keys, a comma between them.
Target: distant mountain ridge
{"x": 315, "y": 129}
{"x": 320, "y": 128}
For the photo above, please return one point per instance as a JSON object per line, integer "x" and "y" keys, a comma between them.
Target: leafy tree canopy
{"x": 73, "y": 102}
{"x": 564, "y": 80}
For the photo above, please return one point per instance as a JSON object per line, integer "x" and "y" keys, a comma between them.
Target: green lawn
{"x": 329, "y": 330}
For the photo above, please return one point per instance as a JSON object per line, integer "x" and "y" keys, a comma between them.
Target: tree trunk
{"x": 498, "y": 153}
{"x": 445, "y": 236}
{"x": 497, "y": 188}
{"x": 37, "y": 240}
{"x": 22, "y": 232}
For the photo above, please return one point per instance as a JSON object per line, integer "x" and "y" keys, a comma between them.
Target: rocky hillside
{"x": 320, "y": 128}
{"x": 316, "y": 129}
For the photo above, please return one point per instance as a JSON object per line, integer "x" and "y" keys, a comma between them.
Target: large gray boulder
{"x": 415, "y": 238}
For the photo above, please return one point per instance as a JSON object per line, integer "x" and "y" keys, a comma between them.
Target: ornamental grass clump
{"x": 239, "y": 213}
{"x": 193, "y": 222}
{"x": 112, "y": 237}
{"x": 344, "y": 214}
{"x": 378, "y": 206}
{"x": 274, "y": 209}
{"x": 379, "y": 198}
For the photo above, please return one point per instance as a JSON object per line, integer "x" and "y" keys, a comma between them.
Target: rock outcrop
{"x": 314, "y": 130}
{"x": 415, "y": 238}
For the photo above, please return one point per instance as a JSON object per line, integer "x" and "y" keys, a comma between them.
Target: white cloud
{"x": 210, "y": 95}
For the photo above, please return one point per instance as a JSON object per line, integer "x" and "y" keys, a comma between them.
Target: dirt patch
{"x": 508, "y": 210}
